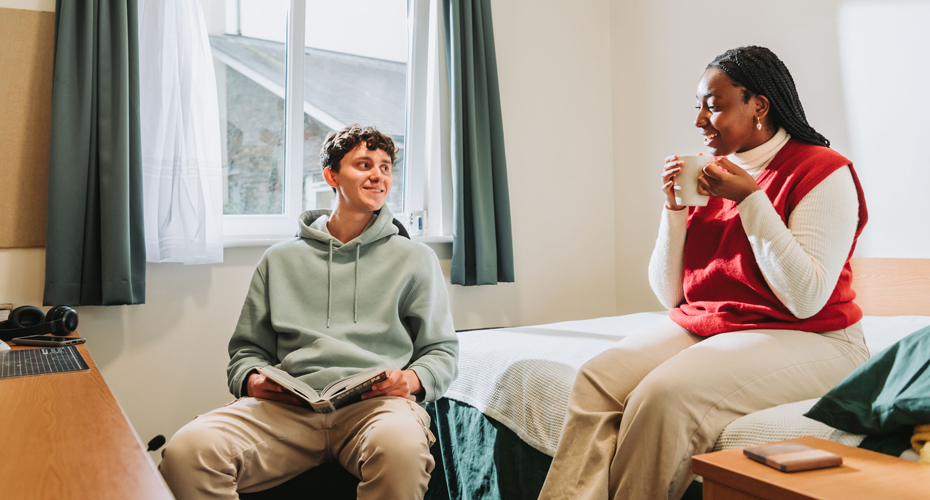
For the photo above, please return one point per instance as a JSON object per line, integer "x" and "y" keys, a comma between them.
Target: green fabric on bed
{"x": 521, "y": 469}
{"x": 889, "y": 393}
{"x": 893, "y": 444}
{"x": 463, "y": 442}
{"x": 884, "y": 398}
{"x": 482, "y": 458}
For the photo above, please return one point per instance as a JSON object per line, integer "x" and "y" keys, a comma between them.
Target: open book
{"x": 342, "y": 392}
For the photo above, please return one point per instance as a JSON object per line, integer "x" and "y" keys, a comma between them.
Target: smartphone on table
{"x": 48, "y": 340}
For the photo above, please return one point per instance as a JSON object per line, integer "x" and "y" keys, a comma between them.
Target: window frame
{"x": 420, "y": 184}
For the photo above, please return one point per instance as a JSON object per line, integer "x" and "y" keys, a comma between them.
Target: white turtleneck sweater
{"x": 801, "y": 262}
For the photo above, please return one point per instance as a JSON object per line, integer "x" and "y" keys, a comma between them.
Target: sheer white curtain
{"x": 181, "y": 155}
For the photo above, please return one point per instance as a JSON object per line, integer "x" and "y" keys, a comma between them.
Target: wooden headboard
{"x": 892, "y": 287}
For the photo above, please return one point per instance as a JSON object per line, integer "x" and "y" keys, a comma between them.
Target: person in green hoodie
{"x": 346, "y": 295}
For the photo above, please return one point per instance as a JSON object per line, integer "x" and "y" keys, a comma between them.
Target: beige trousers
{"x": 640, "y": 410}
{"x": 253, "y": 444}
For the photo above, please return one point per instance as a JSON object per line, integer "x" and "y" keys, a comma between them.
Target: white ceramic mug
{"x": 686, "y": 185}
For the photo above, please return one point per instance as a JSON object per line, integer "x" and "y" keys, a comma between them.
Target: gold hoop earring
{"x": 758, "y": 123}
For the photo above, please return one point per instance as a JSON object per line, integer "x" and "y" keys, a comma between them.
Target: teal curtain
{"x": 95, "y": 248}
{"x": 482, "y": 243}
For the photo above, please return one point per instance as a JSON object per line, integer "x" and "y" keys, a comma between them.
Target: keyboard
{"x": 42, "y": 361}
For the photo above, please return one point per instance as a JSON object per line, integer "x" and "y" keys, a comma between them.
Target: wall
{"x": 165, "y": 360}
{"x": 883, "y": 49}
{"x": 553, "y": 59}
{"x": 33, "y": 5}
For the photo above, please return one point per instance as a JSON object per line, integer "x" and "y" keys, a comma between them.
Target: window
{"x": 290, "y": 71}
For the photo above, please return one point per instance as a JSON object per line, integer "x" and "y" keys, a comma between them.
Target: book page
{"x": 352, "y": 393}
{"x": 290, "y": 383}
{"x": 339, "y": 385}
{"x": 340, "y": 393}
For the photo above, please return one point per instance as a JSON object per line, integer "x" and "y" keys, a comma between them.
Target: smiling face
{"x": 363, "y": 181}
{"x": 727, "y": 119}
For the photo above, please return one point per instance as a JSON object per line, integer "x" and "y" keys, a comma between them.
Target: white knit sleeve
{"x": 802, "y": 262}
{"x": 667, "y": 262}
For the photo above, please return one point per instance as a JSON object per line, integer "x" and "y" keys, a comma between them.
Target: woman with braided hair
{"x": 758, "y": 283}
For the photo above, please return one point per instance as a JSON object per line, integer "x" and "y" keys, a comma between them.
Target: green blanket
{"x": 481, "y": 458}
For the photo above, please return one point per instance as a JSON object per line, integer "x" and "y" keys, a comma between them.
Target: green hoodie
{"x": 322, "y": 310}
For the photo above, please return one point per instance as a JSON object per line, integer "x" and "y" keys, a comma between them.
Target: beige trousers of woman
{"x": 641, "y": 409}
{"x": 252, "y": 445}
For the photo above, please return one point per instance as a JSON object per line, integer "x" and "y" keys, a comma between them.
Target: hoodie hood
{"x": 313, "y": 227}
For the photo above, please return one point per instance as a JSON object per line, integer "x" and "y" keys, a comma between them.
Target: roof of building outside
{"x": 344, "y": 88}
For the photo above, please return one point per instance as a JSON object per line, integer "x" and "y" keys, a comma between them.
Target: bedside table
{"x": 730, "y": 475}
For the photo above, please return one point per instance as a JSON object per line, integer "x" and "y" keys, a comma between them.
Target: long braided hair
{"x": 759, "y": 71}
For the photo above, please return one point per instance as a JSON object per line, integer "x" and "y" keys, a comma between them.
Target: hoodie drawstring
{"x": 329, "y": 292}
{"x": 355, "y": 305}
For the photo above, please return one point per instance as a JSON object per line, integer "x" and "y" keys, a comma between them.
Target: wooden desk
{"x": 63, "y": 436}
{"x": 728, "y": 475}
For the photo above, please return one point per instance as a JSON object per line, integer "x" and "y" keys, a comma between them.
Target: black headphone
{"x": 30, "y": 320}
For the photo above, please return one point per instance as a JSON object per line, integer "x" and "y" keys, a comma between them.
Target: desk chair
{"x": 328, "y": 481}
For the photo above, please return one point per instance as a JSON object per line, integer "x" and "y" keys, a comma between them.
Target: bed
{"x": 499, "y": 423}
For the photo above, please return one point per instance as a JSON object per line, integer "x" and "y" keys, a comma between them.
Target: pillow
{"x": 888, "y": 393}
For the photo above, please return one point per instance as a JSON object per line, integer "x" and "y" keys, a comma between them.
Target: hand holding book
{"x": 337, "y": 394}
{"x": 276, "y": 385}
{"x": 400, "y": 383}
{"x": 260, "y": 386}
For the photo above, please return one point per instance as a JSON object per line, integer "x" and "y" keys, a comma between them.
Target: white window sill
{"x": 432, "y": 239}
{"x": 251, "y": 243}
{"x": 243, "y": 243}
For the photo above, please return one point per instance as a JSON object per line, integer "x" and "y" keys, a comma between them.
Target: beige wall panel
{"x": 27, "y": 38}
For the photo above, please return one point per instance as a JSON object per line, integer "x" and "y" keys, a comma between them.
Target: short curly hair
{"x": 338, "y": 144}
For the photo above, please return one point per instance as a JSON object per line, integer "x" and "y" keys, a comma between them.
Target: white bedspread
{"x": 522, "y": 376}
{"x": 779, "y": 423}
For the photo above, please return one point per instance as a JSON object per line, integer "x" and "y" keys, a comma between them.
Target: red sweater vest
{"x": 724, "y": 287}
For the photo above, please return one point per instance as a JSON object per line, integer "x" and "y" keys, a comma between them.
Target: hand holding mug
{"x": 671, "y": 170}
{"x": 680, "y": 181}
{"x": 724, "y": 179}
